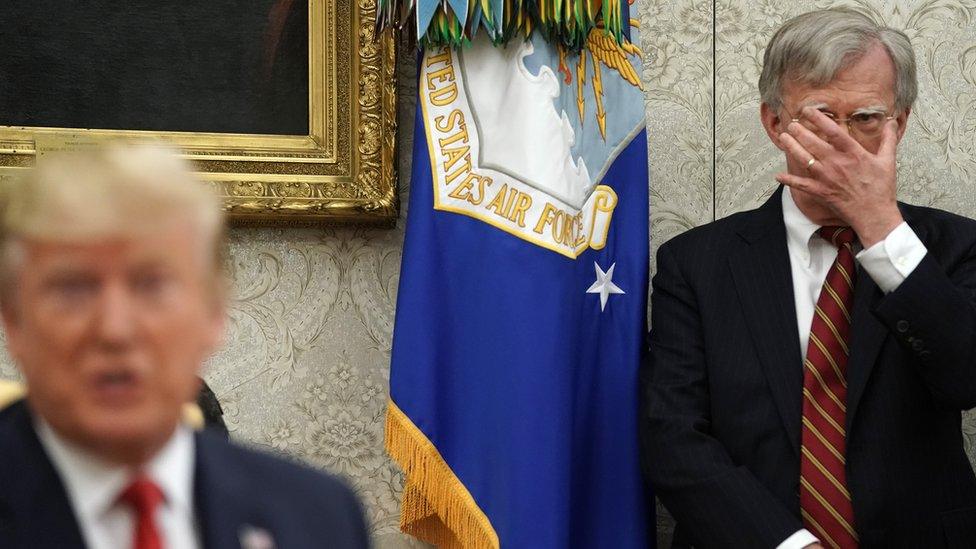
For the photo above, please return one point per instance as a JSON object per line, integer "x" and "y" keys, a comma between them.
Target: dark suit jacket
{"x": 233, "y": 488}
{"x": 722, "y": 388}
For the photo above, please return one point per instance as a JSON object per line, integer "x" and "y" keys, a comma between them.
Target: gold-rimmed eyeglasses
{"x": 864, "y": 124}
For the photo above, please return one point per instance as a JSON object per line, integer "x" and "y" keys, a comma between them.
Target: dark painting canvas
{"x": 228, "y": 66}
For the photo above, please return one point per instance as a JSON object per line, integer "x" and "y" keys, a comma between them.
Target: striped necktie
{"x": 825, "y": 502}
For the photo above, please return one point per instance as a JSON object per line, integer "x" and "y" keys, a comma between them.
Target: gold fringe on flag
{"x": 436, "y": 508}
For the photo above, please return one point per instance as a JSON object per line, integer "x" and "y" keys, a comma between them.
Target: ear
{"x": 772, "y": 123}
{"x": 902, "y": 120}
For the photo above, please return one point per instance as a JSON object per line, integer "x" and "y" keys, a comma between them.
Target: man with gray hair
{"x": 112, "y": 297}
{"x": 809, "y": 360}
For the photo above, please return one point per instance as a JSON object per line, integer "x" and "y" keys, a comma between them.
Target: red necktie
{"x": 825, "y": 502}
{"x": 144, "y": 497}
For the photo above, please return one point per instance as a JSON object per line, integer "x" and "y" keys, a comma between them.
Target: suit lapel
{"x": 215, "y": 501}
{"x": 867, "y": 333}
{"x": 764, "y": 282}
{"x": 226, "y": 510}
{"x": 867, "y": 336}
{"x": 40, "y": 514}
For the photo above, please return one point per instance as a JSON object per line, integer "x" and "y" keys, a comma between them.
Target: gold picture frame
{"x": 343, "y": 170}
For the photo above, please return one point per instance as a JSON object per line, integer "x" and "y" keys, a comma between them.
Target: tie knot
{"x": 838, "y": 236}
{"x": 143, "y": 495}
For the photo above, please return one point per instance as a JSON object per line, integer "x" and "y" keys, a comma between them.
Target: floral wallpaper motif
{"x": 305, "y": 368}
{"x": 677, "y": 46}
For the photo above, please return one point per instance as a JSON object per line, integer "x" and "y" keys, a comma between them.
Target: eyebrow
{"x": 64, "y": 274}
{"x": 871, "y": 109}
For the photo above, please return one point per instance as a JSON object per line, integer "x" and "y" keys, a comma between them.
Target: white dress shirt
{"x": 94, "y": 486}
{"x": 888, "y": 262}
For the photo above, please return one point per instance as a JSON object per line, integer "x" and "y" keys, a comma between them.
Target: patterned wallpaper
{"x": 306, "y": 364}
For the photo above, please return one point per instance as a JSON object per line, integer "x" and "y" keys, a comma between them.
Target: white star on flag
{"x": 604, "y": 285}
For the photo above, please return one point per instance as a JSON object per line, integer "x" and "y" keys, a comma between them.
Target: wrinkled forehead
{"x": 871, "y": 65}
{"x": 176, "y": 244}
{"x": 111, "y": 224}
{"x": 134, "y": 216}
{"x": 867, "y": 81}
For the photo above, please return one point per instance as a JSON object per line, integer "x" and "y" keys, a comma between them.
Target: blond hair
{"x": 116, "y": 190}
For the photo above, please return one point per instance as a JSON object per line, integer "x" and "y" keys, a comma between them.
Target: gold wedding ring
{"x": 810, "y": 162}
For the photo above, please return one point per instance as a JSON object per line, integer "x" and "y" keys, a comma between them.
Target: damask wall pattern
{"x": 305, "y": 368}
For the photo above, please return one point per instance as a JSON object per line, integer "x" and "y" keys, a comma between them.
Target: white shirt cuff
{"x": 799, "y": 540}
{"x": 890, "y": 261}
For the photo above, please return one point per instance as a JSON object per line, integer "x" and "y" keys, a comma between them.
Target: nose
{"x": 115, "y": 324}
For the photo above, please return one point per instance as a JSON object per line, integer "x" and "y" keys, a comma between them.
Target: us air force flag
{"x": 521, "y": 307}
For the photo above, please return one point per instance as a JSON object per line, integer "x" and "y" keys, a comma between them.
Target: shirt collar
{"x": 93, "y": 485}
{"x": 799, "y": 228}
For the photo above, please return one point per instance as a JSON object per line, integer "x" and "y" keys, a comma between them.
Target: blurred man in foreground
{"x": 112, "y": 298}
{"x": 809, "y": 360}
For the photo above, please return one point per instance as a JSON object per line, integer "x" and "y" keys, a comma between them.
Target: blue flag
{"x": 522, "y": 301}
